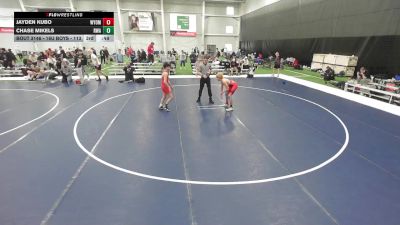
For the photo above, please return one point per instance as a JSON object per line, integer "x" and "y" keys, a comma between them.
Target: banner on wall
{"x": 183, "y": 25}
{"x": 6, "y": 25}
{"x": 6, "y": 30}
{"x": 141, "y": 21}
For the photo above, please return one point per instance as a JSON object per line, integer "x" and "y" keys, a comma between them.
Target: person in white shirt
{"x": 97, "y": 65}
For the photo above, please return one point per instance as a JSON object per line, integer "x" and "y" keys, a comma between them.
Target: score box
{"x": 108, "y": 30}
{"x": 108, "y": 21}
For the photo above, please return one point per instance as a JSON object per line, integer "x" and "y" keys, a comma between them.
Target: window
{"x": 229, "y": 29}
{"x": 230, "y": 11}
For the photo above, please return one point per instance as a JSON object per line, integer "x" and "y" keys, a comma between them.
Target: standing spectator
{"x": 102, "y": 56}
{"x": 97, "y": 65}
{"x": 93, "y": 51}
{"x": 143, "y": 56}
{"x": 205, "y": 72}
{"x": 51, "y": 61}
{"x": 193, "y": 57}
{"x": 66, "y": 70}
{"x": 19, "y": 53}
{"x": 107, "y": 55}
{"x": 182, "y": 58}
{"x": 10, "y": 59}
{"x": 163, "y": 57}
{"x": 150, "y": 52}
{"x": 84, "y": 63}
{"x": 119, "y": 56}
{"x": 84, "y": 51}
{"x": 277, "y": 64}
{"x": 129, "y": 52}
{"x": 174, "y": 52}
{"x": 79, "y": 68}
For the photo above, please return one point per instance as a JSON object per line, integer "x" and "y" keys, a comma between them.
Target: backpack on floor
{"x": 140, "y": 80}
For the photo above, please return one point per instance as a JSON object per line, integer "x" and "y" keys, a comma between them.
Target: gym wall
{"x": 299, "y": 28}
{"x": 213, "y": 25}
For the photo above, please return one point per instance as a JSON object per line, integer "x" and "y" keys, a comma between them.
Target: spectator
{"x": 234, "y": 66}
{"x": 277, "y": 64}
{"x": 246, "y": 63}
{"x": 329, "y": 74}
{"x": 128, "y": 70}
{"x": 150, "y": 52}
{"x": 133, "y": 57}
{"x": 172, "y": 60}
{"x": 10, "y": 59}
{"x": 102, "y": 56}
{"x": 51, "y": 61}
{"x": 66, "y": 70}
{"x": 163, "y": 57}
{"x": 33, "y": 58}
{"x": 119, "y": 57}
{"x": 182, "y": 58}
{"x": 193, "y": 57}
{"x": 79, "y": 68}
{"x": 362, "y": 74}
{"x": 106, "y": 55}
{"x": 174, "y": 52}
{"x": 143, "y": 56}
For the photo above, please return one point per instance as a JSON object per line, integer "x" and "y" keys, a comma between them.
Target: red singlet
{"x": 232, "y": 87}
{"x": 164, "y": 87}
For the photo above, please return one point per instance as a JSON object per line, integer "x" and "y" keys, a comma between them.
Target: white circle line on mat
{"x": 37, "y": 118}
{"x": 219, "y": 183}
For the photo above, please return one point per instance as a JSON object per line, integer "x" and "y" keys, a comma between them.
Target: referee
{"x": 204, "y": 71}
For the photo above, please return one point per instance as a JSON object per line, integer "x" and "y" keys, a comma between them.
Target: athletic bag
{"x": 140, "y": 80}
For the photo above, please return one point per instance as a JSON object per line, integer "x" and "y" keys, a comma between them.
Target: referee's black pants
{"x": 205, "y": 81}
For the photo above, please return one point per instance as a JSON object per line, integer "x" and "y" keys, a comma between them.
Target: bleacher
{"x": 220, "y": 68}
{"x": 15, "y": 72}
{"x": 375, "y": 90}
{"x": 140, "y": 69}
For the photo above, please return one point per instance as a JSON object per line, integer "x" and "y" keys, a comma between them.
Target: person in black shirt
{"x": 277, "y": 64}
{"x": 102, "y": 56}
{"x": 10, "y": 59}
{"x": 106, "y": 54}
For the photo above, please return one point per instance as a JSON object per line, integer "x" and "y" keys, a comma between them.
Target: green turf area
{"x": 186, "y": 70}
{"x": 301, "y": 74}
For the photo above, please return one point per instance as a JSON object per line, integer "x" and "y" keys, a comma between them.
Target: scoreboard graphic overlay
{"x": 63, "y": 26}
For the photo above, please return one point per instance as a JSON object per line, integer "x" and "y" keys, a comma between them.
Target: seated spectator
{"x": 296, "y": 64}
{"x": 33, "y": 72}
{"x": 216, "y": 61}
{"x": 362, "y": 74}
{"x": 133, "y": 57}
{"x": 329, "y": 74}
{"x": 128, "y": 70}
{"x": 234, "y": 66}
{"x": 172, "y": 60}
